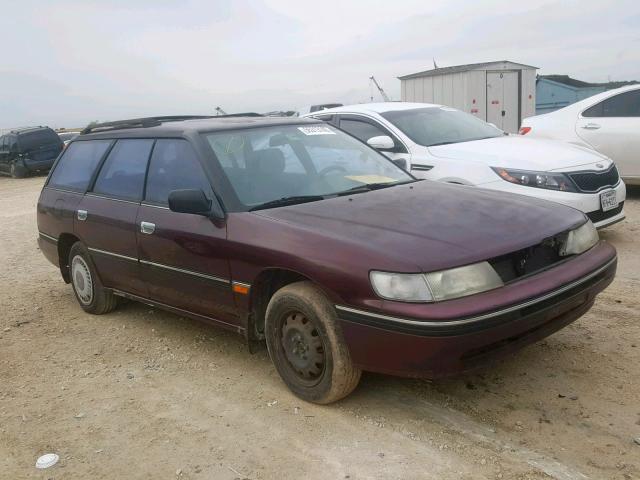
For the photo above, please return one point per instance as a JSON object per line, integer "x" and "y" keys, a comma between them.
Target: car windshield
{"x": 432, "y": 126}
{"x": 299, "y": 163}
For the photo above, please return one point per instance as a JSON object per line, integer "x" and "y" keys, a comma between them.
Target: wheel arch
{"x": 65, "y": 242}
{"x": 265, "y": 285}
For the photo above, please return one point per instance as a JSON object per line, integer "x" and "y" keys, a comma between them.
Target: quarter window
{"x": 122, "y": 175}
{"x": 76, "y": 166}
{"x": 622, "y": 105}
{"x": 174, "y": 166}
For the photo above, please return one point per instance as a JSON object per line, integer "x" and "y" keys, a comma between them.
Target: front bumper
{"x": 588, "y": 203}
{"x": 431, "y": 349}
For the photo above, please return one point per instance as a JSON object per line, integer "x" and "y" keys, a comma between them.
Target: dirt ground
{"x": 141, "y": 393}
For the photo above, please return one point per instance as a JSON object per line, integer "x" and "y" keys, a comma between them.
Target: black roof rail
{"x": 154, "y": 121}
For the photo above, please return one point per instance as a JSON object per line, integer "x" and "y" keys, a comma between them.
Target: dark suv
{"x": 292, "y": 232}
{"x": 27, "y": 150}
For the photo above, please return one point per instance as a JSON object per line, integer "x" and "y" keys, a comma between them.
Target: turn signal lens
{"x": 524, "y": 130}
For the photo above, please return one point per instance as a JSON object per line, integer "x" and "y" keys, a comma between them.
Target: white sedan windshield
{"x": 432, "y": 126}
{"x": 272, "y": 163}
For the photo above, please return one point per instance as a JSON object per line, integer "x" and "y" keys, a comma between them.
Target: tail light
{"x": 524, "y": 130}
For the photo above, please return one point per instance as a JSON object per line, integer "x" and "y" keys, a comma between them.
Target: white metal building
{"x": 502, "y": 93}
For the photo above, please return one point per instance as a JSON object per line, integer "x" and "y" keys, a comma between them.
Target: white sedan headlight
{"x": 436, "y": 286}
{"x": 580, "y": 240}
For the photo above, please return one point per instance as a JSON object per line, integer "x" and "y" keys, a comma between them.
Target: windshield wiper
{"x": 281, "y": 202}
{"x": 367, "y": 187}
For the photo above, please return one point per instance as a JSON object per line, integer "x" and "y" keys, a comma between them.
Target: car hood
{"x": 519, "y": 152}
{"x": 424, "y": 226}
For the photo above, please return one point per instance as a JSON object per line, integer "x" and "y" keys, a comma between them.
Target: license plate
{"x": 608, "y": 200}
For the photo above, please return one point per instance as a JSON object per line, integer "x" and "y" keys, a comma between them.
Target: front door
{"x": 105, "y": 219}
{"x": 182, "y": 256}
{"x": 611, "y": 127}
{"x": 364, "y": 128}
{"x": 503, "y": 100}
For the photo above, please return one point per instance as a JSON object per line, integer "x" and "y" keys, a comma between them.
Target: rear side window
{"x": 623, "y": 105}
{"x": 122, "y": 175}
{"x": 75, "y": 169}
{"x": 174, "y": 166}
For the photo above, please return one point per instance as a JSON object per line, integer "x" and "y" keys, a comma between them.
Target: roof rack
{"x": 154, "y": 121}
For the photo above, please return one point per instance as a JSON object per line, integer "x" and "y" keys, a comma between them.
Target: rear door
{"x": 183, "y": 256}
{"x": 611, "y": 127}
{"x": 105, "y": 219}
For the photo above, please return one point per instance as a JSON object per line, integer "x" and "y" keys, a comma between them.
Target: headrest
{"x": 269, "y": 161}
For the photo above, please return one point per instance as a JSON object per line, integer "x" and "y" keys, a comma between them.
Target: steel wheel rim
{"x": 303, "y": 348}
{"x": 82, "y": 281}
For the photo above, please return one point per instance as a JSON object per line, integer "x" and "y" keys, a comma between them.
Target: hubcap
{"x": 303, "y": 346}
{"x": 82, "y": 282}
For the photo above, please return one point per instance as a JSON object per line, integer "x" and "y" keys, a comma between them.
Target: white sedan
{"x": 608, "y": 122}
{"x": 445, "y": 144}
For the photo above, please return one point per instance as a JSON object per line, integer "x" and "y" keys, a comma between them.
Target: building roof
{"x": 461, "y": 68}
{"x": 572, "y": 82}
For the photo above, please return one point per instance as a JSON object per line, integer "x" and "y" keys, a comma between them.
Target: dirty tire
{"x": 17, "y": 171}
{"x": 285, "y": 326}
{"x": 87, "y": 287}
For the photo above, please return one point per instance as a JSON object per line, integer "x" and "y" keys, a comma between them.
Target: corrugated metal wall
{"x": 467, "y": 91}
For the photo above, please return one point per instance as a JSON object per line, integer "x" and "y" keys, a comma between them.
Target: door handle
{"x": 82, "y": 215}
{"x": 147, "y": 227}
{"x": 591, "y": 126}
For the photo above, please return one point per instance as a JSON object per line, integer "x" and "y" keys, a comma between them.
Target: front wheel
{"x": 305, "y": 343}
{"x": 89, "y": 291}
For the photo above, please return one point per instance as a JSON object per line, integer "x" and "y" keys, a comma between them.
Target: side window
{"x": 174, "y": 166}
{"x": 75, "y": 169}
{"x": 122, "y": 175}
{"x": 361, "y": 130}
{"x": 622, "y": 105}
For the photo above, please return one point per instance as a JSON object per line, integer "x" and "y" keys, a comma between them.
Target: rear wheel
{"x": 89, "y": 291}
{"x": 306, "y": 345}
{"x": 17, "y": 171}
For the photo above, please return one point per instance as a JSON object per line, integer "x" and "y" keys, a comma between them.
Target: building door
{"x": 503, "y": 100}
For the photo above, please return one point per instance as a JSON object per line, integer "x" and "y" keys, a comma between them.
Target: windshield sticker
{"x": 316, "y": 130}
{"x": 367, "y": 179}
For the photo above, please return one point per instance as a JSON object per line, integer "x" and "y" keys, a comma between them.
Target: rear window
{"x": 38, "y": 138}
{"x": 75, "y": 169}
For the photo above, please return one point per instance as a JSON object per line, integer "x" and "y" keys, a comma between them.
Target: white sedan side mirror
{"x": 382, "y": 142}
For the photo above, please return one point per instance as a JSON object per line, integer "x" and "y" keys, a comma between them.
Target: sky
{"x": 66, "y": 63}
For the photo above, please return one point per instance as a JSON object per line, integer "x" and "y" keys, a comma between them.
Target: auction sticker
{"x": 316, "y": 130}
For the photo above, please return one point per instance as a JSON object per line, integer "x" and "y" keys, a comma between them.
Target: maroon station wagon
{"x": 292, "y": 232}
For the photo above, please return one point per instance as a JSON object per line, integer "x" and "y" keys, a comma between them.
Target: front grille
{"x": 599, "y": 215}
{"x": 592, "y": 181}
{"x": 527, "y": 261}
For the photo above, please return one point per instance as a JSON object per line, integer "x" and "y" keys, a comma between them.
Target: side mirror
{"x": 383, "y": 142}
{"x": 190, "y": 201}
{"x": 400, "y": 162}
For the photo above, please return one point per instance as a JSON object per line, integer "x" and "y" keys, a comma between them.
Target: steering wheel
{"x": 330, "y": 168}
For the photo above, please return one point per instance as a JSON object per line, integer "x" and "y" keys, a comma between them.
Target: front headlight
{"x": 580, "y": 240}
{"x": 527, "y": 178}
{"x": 436, "y": 286}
